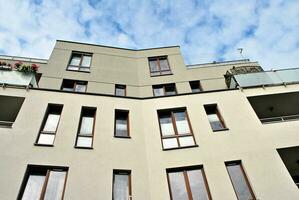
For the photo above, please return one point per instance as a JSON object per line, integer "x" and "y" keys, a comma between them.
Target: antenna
{"x": 240, "y": 50}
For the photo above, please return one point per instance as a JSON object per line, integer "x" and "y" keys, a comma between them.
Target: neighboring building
{"x": 100, "y": 122}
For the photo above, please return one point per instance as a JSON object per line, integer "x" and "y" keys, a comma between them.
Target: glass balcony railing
{"x": 16, "y": 78}
{"x": 277, "y": 77}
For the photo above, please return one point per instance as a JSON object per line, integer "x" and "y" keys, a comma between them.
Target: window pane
{"x": 121, "y": 187}
{"x": 120, "y": 91}
{"x": 73, "y": 68}
{"x": 67, "y": 89}
{"x": 75, "y": 60}
{"x": 164, "y": 64}
{"x": 80, "y": 88}
{"x": 186, "y": 141}
{"x": 155, "y": 73}
{"x": 197, "y": 185}
{"x": 33, "y": 187}
{"x": 55, "y": 185}
{"x": 170, "y": 143}
{"x": 159, "y": 91}
{"x": 51, "y": 123}
{"x": 166, "y": 125}
{"x": 215, "y": 122}
{"x": 86, "y": 126}
{"x": 154, "y": 66}
{"x": 121, "y": 127}
{"x": 181, "y": 122}
{"x": 46, "y": 139}
{"x": 84, "y": 141}
{"x": 239, "y": 182}
{"x": 170, "y": 89}
{"x": 85, "y": 69}
{"x": 86, "y": 61}
{"x": 178, "y": 186}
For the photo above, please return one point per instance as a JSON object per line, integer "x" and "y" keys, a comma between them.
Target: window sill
{"x": 193, "y": 146}
{"x": 76, "y": 147}
{"x": 44, "y": 145}
{"x": 162, "y": 75}
{"x": 124, "y": 137}
{"x": 218, "y": 130}
{"x": 77, "y": 71}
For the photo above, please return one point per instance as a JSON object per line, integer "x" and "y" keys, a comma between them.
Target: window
{"x": 74, "y": 86}
{"x": 195, "y": 86}
{"x": 188, "y": 183}
{"x": 239, "y": 180}
{"x": 80, "y": 62}
{"x": 122, "y": 185}
{"x": 121, "y": 128}
{"x": 49, "y": 125}
{"x": 215, "y": 119}
{"x": 86, "y": 128}
{"x": 120, "y": 90}
{"x": 10, "y": 107}
{"x": 175, "y": 129}
{"x": 159, "y": 66}
{"x": 164, "y": 90}
{"x": 43, "y": 182}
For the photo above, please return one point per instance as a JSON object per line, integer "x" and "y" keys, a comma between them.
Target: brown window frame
{"x": 217, "y": 112}
{"x": 80, "y": 64}
{"x": 157, "y": 59}
{"x": 126, "y": 172}
{"x": 74, "y": 83}
{"x": 119, "y": 86}
{"x": 239, "y": 162}
{"x": 176, "y": 134}
{"x": 86, "y": 109}
{"x": 197, "y": 83}
{"x": 127, "y": 112}
{"x": 38, "y": 169}
{"x": 163, "y": 86}
{"x": 47, "y": 112}
{"x": 185, "y": 170}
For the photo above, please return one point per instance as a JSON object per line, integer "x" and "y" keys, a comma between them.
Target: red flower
{"x": 18, "y": 64}
{"x": 35, "y": 67}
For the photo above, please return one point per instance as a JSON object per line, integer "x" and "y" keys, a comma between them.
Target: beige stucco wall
{"x": 110, "y": 66}
{"x": 90, "y": 171}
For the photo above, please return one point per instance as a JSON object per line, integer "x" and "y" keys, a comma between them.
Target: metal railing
{"x": 6, "y": 124}
{"x": 279, "y": 119}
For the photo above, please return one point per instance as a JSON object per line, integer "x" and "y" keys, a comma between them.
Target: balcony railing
{"x": 279, "y": 119}
{"x": 266, "y": 78}
{"x": 16, "y": 78}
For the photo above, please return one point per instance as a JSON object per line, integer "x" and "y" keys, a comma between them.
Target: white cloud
{"x": 268, "y": 31}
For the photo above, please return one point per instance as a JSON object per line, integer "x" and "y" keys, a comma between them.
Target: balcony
{"x": 276, "y": 107}
{"x": 10, "y": 107}
{"x": 16, "y": 78}
{"x": 262, "y": 78}
{"x": 289, "y": 156}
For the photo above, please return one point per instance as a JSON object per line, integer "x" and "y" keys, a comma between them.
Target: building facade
{"x": 98, "y": 122}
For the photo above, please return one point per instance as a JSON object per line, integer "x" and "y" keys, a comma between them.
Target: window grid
{"x": 126, "y": 173}
{"x": 238, "y": 163}
{"x": 160, "y": 71}
{"x": 80, "y": 67}
{"x": 195, "y": 86}
{"x": 52, "y": 109}
{"x": 120, "y": 90}
{"x": 86, "y": 112}
{"x": 168, "y": 89}
{"x": 124, "y": 115}
{"x": 72, "y": 85}
{"x": 212, "y": 109}
{"x": 176, "y": 135}
{"x": 43, "y": 171}
{"x": 187, "y": 185}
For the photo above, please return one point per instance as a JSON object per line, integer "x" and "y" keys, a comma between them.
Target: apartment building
{"x": 99, "y": 122}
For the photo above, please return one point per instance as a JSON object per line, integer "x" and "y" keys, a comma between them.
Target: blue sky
{"x": 206, "y": 30}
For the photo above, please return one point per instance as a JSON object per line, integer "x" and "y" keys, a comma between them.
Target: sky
{"x": 205, "y": 30}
